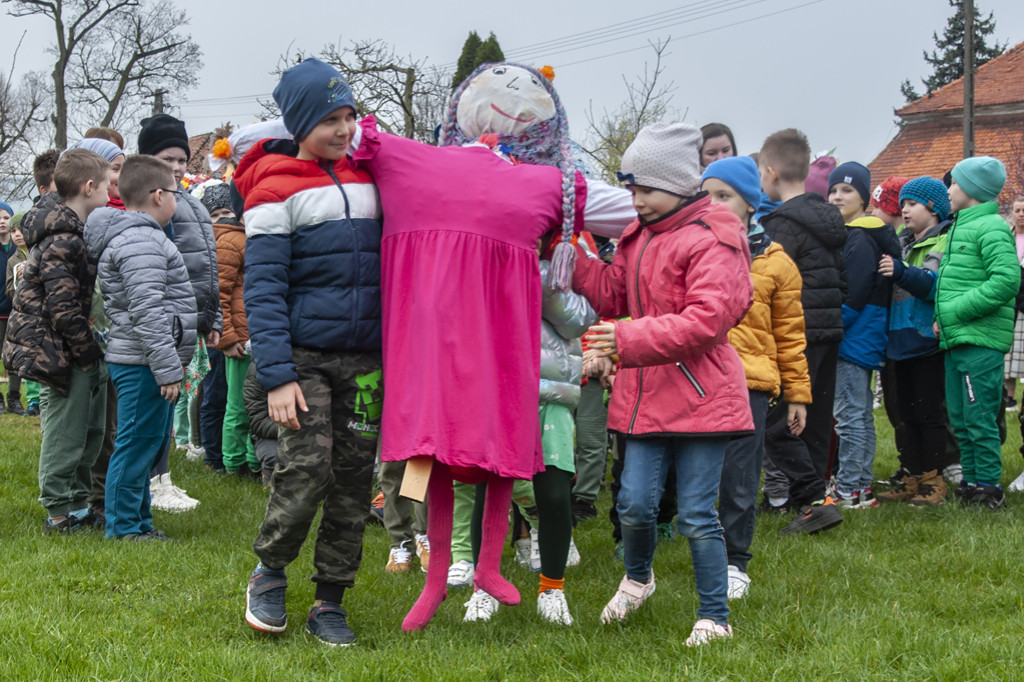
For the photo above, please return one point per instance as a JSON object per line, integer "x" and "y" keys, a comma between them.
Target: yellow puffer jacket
{"x": 770, "y": 339}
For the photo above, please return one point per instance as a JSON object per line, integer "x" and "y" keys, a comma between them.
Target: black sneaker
{"x": 327, "y": 622}
{"x": 989, "y": 496}
{"x": 264, "y": 599}
{"x": 964, "y": 492}
{"x": 14, "y": 407}
{"x": 583, "y": 510}
{"x": 146, "y": 536}
{"x": 814, "y": 518}
{"x": 69, "y": 524}
{"x": 766, "y": 507}
{"x": 99, "y": 517}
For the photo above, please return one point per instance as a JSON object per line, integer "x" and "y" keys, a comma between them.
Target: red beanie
{"x": 887, "y": 195}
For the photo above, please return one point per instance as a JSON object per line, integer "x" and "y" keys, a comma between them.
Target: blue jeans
{"x": 698, "y": 464}
{"x": 737, "y": 493}
{"x": 143, "y": 433}
{"x": 855, "y": 426}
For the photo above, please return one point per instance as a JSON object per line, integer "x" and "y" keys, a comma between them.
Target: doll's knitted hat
{"x": 887, "y": 195}
{"x": 982, "y": 177}
{"x": 161, "y": 132}
{"x": 853, "y": 173}
{"x": 308, "y": 92}
{"x": 928, "y": 191}
{"x": 664, "y": 156}
{"x": 740, "y": 173}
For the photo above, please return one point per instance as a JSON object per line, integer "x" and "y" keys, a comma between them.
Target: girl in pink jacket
{"x": 682, "y": 274}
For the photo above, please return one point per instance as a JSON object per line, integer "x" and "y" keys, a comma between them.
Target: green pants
{"x": 72, "y": 429}
{"x": 237, "y": 446}
{"x": 462, "y": 515}
{"x": 591, "y": 441}
{"x": 31, "y": 391}
{"x": 974, "y": 389}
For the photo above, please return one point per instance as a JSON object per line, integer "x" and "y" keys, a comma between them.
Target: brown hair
{"x": 42, "y": 167}
{"x": 788, "y": 152}
{"x": 710, "y": 130}
{"x": 141, "y": 174}
{"x": 76, "y": 167}
{"x": 105, "y": 133}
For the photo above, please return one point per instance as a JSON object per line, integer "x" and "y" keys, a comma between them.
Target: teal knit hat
{"x": 982, "y": 177}
{"x": 927, "y": 191}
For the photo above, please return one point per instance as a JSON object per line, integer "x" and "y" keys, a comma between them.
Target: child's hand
{"x": 796, "y": 418}
{"x": 235, "y": 351}
{"x": 213, "y": 338}
{"x": 885, "y": 268}
{"x": 281, "y": 403}
{"x": 169, "y": 392}
{"x": 602, "y": 338}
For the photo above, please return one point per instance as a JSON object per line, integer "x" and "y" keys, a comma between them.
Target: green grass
{"x": 893, "y": 593}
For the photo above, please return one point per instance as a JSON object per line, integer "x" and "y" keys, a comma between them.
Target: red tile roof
{"x": 200, "y": 146}
{"x": 999, "y": 81}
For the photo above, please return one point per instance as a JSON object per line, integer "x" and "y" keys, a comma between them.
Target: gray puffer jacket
{"x": 193, "y": 235}
{"x": 146, "y": 293}
{"x": 566, "y": 316}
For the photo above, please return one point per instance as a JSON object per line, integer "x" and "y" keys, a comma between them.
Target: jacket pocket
{"x": 692, "y": 379}
{"x": 177, "y": 332}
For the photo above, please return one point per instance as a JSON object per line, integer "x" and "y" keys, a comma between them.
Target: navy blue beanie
{"x": 307, "y": 93}
{"x": 853, "y": 173}
{"x": 928, "y": 191}
{"x": 740, "y": 173}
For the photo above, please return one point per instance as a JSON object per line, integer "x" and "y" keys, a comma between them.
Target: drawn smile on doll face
{"x": 529, "y": 119}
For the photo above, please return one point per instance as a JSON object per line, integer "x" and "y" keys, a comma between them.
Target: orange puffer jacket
{"x": 770, "y": 339}
{"x": 230, "y": 236}
{"x": 685, "y": 281}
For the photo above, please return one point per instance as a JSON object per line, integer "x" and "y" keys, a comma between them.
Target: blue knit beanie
{"x": 308, "y": 92}
{"x": 7, "y": 207}
{"x": 928, "y": 191}
{"x": 853, "y": 173}
{"x": 982, "y": 177}
{"x": 740, "y": 173}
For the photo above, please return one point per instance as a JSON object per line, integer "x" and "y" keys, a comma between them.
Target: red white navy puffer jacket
{"x": 685, "y": 282}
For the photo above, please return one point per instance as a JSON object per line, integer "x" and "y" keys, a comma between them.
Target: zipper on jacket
{"x": 640, "y": 309}
{"x": 355, "y": 242}
{"x": 692, "y": 379}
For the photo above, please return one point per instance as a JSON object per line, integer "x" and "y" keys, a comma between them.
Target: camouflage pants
{"x": 329, "y": 459}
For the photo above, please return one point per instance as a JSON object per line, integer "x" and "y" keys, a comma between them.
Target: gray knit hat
{"x": 664, "y": 156}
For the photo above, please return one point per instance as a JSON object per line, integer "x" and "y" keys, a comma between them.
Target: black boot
{"x": 14, "y": 405}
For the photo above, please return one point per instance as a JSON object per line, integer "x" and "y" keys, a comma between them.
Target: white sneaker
{"x": 523, "y": 546}
{"x": 460, "y": 574}
{"x": 481, "y": 606}
{"x": 188, "y": 503}
{"x": 953, "y": 474}
{"x": 534, "y": 551}
{"x": 194, "y": 453}
{"x": 573, "y": 558}
{"x": 423, "y": 551}
{"x": 706, "y": 630}
{"x": 739, "y": 583}
{"x": 552, "y": 607}
{"x": 629, "y": 597}
{"x": 181, "y": 446}
{"x": 1018, "y": 484}
{"x": 162, "y": 498}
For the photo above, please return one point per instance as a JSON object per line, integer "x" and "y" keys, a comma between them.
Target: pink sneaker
{"x": 627, "y": 599}
{"x": 706, "y": 630}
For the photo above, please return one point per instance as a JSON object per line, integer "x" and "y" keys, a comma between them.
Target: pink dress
{"x": 461, "y": 292}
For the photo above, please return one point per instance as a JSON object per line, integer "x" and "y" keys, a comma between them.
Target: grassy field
{"x": 893, "y": 593}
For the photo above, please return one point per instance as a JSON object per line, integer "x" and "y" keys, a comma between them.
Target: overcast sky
{"x": 829, "y": 67}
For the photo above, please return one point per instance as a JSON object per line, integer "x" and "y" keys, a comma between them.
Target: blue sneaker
{"x": 327, "y": 622}
{"x": 264, "y": 599}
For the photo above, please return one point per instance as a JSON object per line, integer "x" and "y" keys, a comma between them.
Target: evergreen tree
{"x": 467, "y": 60}
{"x": 490, "y": 51}
{"x": 947, "y": 61}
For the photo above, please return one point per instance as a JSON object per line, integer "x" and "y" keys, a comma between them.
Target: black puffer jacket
{"x": 813, "y": 234}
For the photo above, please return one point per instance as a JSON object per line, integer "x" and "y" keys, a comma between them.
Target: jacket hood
{"x": 881, "y": 233}
{"x": 106, "y": 223}
{"x": 39, "y": 224}
{"x": 264, "y": 155}
{"x": 228, "y": 225}
{"x": 811, "y": 211}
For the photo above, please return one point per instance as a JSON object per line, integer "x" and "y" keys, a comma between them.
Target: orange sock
{"x": 547, "y": 583}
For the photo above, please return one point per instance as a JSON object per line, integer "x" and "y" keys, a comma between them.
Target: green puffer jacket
{"x": 978, "y": 279}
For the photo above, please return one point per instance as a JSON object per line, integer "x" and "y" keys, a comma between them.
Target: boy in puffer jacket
{"x": 865, "y": 332}
{"x": 682, "y": 274}
{"x": 770, "y": 341}
{"x": 974, "y": 315}
{"x": 152, "y": 309}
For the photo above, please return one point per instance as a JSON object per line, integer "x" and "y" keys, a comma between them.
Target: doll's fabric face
{"x": 505, "y": 100}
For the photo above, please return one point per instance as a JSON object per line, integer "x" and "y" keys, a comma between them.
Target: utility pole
{"x": 968, "y": 78}
{"x": 158, "y": 102}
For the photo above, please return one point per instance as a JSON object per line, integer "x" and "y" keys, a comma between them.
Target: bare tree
{"x": 647, "y": 101}
{"x": 129, "y": 58}
{"x": 406, "y": 95}
{"x": 23, "y": 112}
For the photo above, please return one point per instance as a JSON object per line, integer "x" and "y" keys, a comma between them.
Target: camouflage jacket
{"x": 49, "y": 326}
